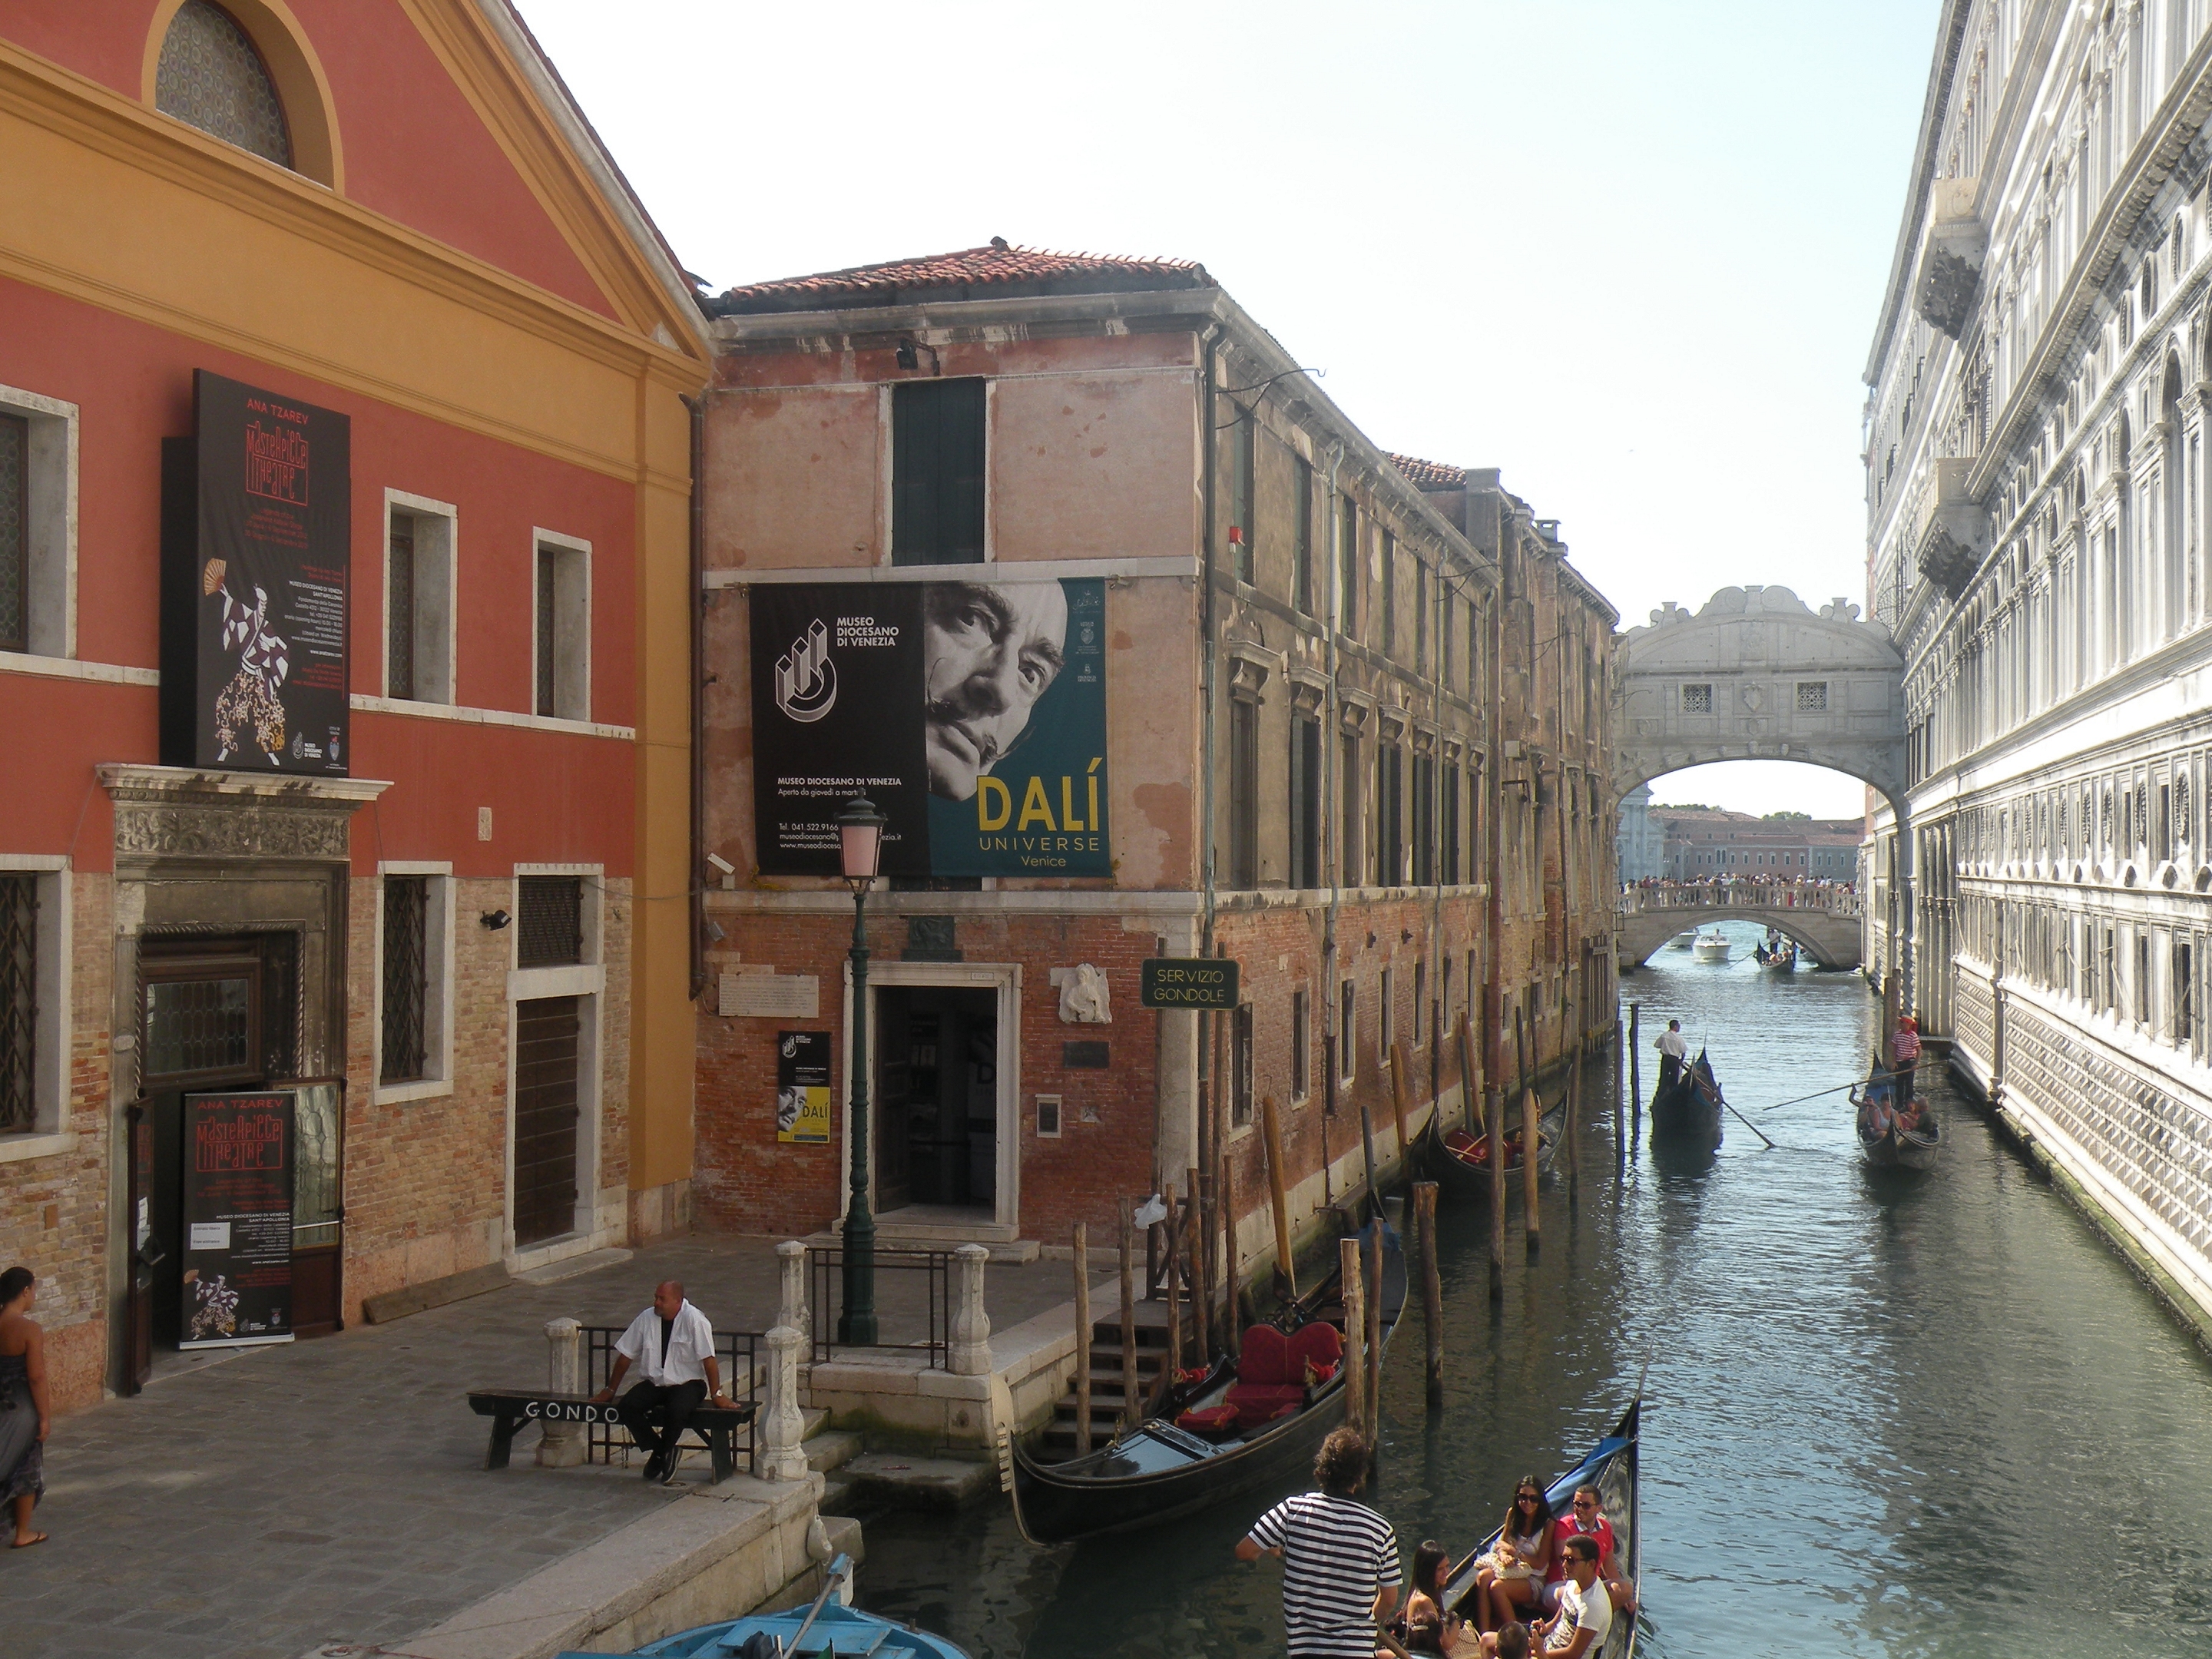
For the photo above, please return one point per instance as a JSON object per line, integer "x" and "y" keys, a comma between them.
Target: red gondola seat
{"x": 1211, "y": 1422}
{"x": 1266, "y": 1376}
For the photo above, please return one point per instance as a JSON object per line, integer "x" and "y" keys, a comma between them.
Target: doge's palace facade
{"x": 2036, "y": 429}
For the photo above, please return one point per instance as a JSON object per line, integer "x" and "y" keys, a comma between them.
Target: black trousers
{"x": 655, "y": 1414}
{"x": 1669, "y": 1069}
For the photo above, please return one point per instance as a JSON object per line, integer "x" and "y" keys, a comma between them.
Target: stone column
{"x": 791, "y": 1264}
{"x": 563, "y": 1445}
{"x": 782, "y": 1428}
{"x": 970, "y": 1355}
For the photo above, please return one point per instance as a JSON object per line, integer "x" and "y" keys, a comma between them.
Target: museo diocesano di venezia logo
{"x": 805, "y": 678}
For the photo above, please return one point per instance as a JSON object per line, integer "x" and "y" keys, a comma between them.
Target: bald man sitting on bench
{"x": 672, "y": 1346}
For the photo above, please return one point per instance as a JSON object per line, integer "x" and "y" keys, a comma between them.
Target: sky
{"x": 1628, "y": 251}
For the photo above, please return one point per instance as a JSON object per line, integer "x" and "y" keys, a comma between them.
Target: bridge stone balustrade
{"x": 1825, "y": 921}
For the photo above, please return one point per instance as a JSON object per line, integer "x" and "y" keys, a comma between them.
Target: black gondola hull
{"x": 1894, "y": 1151}
{"x": 1684, "y": 1110}
{"x": 1062, "y": 1502}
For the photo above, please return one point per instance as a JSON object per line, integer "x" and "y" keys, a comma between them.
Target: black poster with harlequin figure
{"x": 257, "y": 556}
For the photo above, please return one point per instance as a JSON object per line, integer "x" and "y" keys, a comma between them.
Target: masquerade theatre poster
{"x": 972, "y": 712}
{"x": 238, "y": 1172}
{"x": 257, "y": 552}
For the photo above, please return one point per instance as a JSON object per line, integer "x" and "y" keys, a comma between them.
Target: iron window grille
{"x": 1698, "y": 699}
{"x": 406, "y": 977}
{"x": 212, "y": 76}
{"x": 14, "y": 533}
{"x": 1812, "y": 696}
{"x": 1240, "y": 1062}
{"x": 19, "y": 1005}
{"x": 552, "y": 922}
{"x": 399, "y": 604}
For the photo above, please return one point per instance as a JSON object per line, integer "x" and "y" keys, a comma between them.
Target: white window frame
{"x": 572, "y": 624}
{"x": 435, "y": 636}
{"x": 439, "y": 993}
{"x": 52, "y": 514}
{"x": 49, "y": 1133}
{"x": 601, "y": 1218}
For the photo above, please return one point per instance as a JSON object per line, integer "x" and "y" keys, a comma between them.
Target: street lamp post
{"x": 859, "y": 845}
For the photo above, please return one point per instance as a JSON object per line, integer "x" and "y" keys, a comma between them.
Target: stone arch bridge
{"x": 1757, "y": 674}
{"x": 1823, "y": 920}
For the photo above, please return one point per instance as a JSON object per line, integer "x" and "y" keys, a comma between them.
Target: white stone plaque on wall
{"x": 772, "y": 996}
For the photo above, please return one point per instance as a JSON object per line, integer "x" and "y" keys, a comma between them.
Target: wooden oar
{"x": 1748, "y": 1123}
{"x": 1801, "y": 1099}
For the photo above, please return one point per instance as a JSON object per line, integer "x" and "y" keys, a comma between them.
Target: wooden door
{"x": 547, "y": 1033}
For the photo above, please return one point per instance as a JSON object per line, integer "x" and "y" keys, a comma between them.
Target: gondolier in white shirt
{"x": 1673, "y": 1049}
{"x": 673, "y": 1347}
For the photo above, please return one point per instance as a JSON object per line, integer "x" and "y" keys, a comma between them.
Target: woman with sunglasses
{"x": 1509, "y": 1583}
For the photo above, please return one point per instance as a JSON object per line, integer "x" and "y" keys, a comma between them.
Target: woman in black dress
{"x": 23, "y": 1408}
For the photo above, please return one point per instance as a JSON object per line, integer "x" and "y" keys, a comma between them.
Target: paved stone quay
{"x": 334, "y": 1491}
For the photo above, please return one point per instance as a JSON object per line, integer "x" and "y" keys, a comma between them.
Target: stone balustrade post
{"x": 783, "y": 1427}
{"x": 791, "y": 1265}
{"x": 970, "y": 1355}
{"x": 563, "y": 1445}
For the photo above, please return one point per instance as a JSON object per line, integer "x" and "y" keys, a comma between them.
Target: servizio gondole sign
{"x": 973, "y": 713}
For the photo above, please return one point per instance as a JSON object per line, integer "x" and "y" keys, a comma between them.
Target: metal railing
{"x": 825, "y": 1268}
{"x": 1751, "y": 895}
{"x": 739, "y": 1352}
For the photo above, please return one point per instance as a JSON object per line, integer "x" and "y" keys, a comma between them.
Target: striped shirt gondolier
{"x": 1336, "y": 1555}
{"x": 1905, "y": 1045}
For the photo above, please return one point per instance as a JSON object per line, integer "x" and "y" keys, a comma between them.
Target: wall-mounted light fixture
{"x": 495, "y": 920}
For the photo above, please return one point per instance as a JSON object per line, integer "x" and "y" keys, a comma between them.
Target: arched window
{"x": 212, "y": 76}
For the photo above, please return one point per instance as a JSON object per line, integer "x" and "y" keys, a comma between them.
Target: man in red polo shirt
{"x": 1584, "y": 1520}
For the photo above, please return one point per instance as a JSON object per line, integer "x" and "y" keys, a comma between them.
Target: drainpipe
{"x": 1208, "y": 624}
{"x": 696, "y": 883}
{"x": 1331, "y": 739}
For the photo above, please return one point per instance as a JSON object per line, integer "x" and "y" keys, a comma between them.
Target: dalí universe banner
{"x": 257, "y": 556}
{"x": 238, "y": 1172}
{"x": 973, "y": 713}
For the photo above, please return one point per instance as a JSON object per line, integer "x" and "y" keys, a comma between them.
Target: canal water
{"x": 1901, "y": 1416}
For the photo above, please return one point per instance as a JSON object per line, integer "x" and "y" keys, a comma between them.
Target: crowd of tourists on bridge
{"x": 1550, "y": 1585}
{"x": 1740, "y": 891}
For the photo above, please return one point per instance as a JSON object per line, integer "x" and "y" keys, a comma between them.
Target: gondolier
{"x": 673, "y": 1347}
{"x": 1904, "y": 1054}
{"x": 1673, "y": 1049}
{"x": 1340, "y": 1574}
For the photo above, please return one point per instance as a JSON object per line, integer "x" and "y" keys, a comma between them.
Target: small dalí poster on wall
{"x": 238, "y": 1168}
{"x": 802, "y": 1087}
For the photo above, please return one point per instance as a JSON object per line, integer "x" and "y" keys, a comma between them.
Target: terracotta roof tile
{"x": 1430, "y": 475}
{"x": 997, "y": 270}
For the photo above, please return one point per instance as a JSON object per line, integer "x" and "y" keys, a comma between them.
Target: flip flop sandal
{"x": 27, "y": 1543}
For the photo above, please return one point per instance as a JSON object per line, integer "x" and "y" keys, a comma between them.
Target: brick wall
{"x": 54, "y": 1216}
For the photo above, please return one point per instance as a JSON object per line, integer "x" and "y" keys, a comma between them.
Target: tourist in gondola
{"x": 1674, "y": 1048}
{"x": 1511, "y": 1581}
{"x": 1584, "y": 1519}
{"x": 1874, "y": 1110}
{"x": 1340, "y": 1573}
{"x": 1424, "y": 1626}
{"x": 1585, "y": 1616}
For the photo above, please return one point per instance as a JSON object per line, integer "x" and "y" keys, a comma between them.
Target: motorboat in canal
{"x": 1683, "y": 940}
{"x": 1711, "y": 947}
{"x": 1460, "y": 1161}
{"x": 1689, "y": 1108}
{"x": 823, "y": 1630}
{"x": 1611, "y": 1468}
{"x": 1254, "y": 1424}
{"x": 1896, "y": 1148}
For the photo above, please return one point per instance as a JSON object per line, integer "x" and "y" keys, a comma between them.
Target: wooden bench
{"x": 510, "y": 1408}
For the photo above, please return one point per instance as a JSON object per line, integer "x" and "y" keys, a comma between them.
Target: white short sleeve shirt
{"x": 690, "y": 1343}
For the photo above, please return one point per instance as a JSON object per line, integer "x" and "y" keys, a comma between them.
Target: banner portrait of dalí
{"x": 972, "y": 712}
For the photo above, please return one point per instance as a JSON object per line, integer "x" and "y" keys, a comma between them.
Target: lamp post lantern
{"x": 860, "y": 846}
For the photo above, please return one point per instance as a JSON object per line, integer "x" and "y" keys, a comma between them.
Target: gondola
{"x": 1460, "y": 1161}
{"x": 1611, "y": 1468}
{"x": 826, "y": 1627}
{"x": 1689, "y": 1108}
{"x": 1780, "y": 960}
{"x": 1208, "y": 1453}
{"x": 1895, "y": 1148}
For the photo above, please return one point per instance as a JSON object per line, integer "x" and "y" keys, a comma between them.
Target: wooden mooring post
{"x": 1571, "y": 1131}
{"x": 1081, "y": 1340}
{"x": 1433, "y": 1289}
{"x": 1271, "y": 1135}
{"x": 1232, "y": 1324}
{"x": 1350, "y": 1292}
{"x": 1532, "y": 1120}
{"x": 1175, "y": 1296}
{"x": 1497, "y": 1132}
{"x": 1371, "y": 1287}
{"x": 1201, "y": 1276}
{"x": 1130, "y": 1412}
{"x": 1635, "y": 1063}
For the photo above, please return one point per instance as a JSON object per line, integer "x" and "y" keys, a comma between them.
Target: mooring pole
{"x": 1496, "y": 1150}
{"x": 1081, "y": 1245}
{"x": 1433, "y": 1289}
